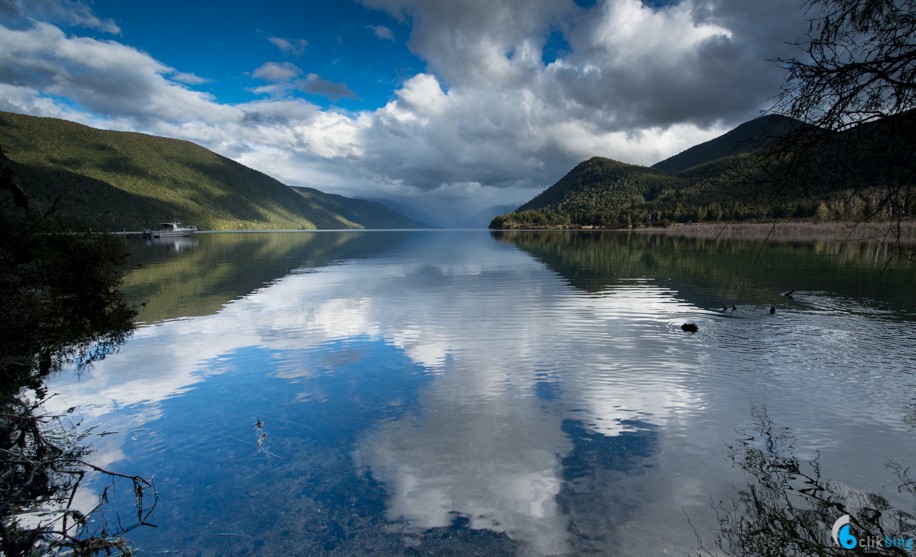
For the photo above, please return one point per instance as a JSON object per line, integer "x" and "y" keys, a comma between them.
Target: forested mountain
{"x": 748, "y": 137}
{"x": 119, "y": 180}
{"x": 751, "y": 172}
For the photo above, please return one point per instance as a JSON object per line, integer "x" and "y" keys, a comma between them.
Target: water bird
{"x": 789, "y": 294}
{"x": 772, "y": 310}
{"x": 724, "y": 308}
{"x": 734, "y": 308}
{"x": 690, "y": 327}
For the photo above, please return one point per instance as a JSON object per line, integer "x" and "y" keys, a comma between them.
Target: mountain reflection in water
{"x": 459, "y": 393}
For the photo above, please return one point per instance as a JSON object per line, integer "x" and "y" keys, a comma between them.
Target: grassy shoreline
{"x": 885, "y": 232}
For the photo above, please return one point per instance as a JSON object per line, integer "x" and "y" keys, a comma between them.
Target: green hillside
{"x": 735, "y": 177}
{"x": 120, "y": 180}
{"x": 595, "y": 192}
{"x": 358, "y": 210}
{"x": 746, "y": 138}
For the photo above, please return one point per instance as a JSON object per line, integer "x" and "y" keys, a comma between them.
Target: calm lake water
{"x": 477, "y": 393}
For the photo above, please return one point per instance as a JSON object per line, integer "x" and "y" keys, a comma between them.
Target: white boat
{"x": 170, "y": 230}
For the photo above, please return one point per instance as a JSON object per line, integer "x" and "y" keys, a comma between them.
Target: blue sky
{"x": 450, "y": 106}
{"x": 361, "y": 51}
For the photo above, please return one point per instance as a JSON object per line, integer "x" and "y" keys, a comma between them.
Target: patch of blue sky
{"x": 586, "y": 4}
{"x": 224, "y": 43}
{"x": 66, "y": 102}
{"x": 660, "y": 4}
{"x": 556, "y": 47}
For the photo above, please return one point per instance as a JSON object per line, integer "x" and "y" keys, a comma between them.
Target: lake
{"x": 478, "y": 393}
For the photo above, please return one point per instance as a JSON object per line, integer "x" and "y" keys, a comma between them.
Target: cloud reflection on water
{"x": 487, "y": 324}
{"x": 543, "y": 408}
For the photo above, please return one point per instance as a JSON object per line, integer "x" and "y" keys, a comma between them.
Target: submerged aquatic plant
{"x": 789, "y": 509}
{"x": 42, "y": 465}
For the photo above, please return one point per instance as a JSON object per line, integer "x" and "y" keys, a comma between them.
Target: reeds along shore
{"x": 886, "y": 232}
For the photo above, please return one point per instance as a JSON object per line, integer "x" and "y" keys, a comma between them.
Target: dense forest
{"x": 746, "y": 174}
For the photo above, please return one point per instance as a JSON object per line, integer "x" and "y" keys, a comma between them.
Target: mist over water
{"x": 494, "y": 394}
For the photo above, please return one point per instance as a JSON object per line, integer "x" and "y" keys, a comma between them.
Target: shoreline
{"x": 884, "y": 232}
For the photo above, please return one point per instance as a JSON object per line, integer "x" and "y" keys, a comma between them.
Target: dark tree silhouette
{"x": 859, "y": 64}
{"x": 853, "y": 87}
{"x": 788, "y": 507}
{"x": 60, "y": 303}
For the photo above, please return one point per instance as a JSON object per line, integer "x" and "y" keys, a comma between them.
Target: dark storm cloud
{"x": 313, "y": 84}
{"x": 635, "y": 81}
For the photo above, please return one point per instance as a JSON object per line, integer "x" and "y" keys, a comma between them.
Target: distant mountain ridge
{"x": 123, "y": 180}
{"x": 730, "y": 178}
{"x": 409, "y": 211}
{"x": 482, "y": 218}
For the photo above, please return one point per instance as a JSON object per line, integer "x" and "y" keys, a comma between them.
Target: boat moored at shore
{"x": 171, "y": 229}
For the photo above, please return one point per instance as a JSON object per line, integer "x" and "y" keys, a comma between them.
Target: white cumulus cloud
{"x": 277, "y": 71}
